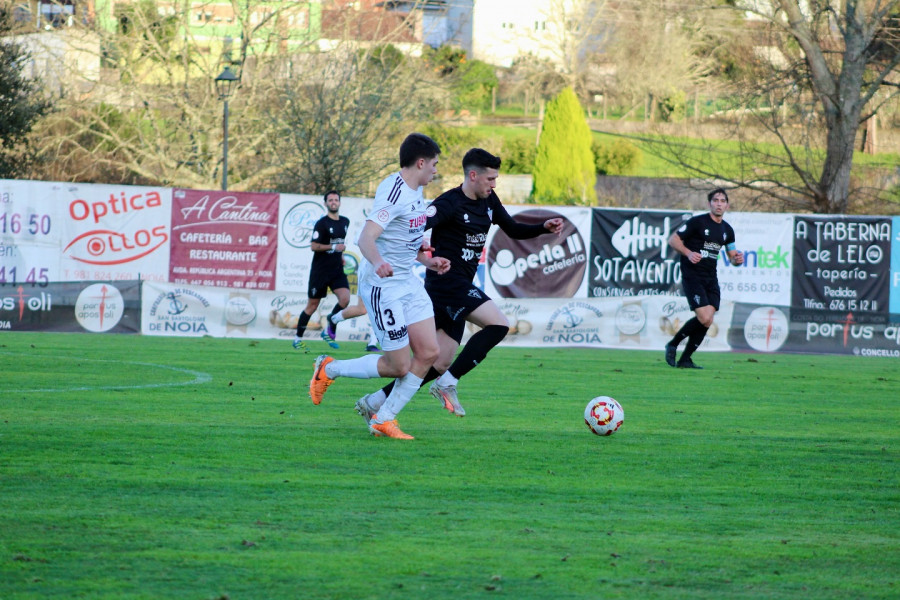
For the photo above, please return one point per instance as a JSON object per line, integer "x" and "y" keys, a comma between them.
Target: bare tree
{"x": 337, "y": 127}
{"x": 308, "y": 112}
{"x": 658, "y": 48}
{"x": 818, "y": 70}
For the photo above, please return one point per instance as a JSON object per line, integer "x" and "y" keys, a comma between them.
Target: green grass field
{"x": 141, "y": 467}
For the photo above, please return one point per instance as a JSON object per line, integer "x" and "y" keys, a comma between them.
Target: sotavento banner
{"x": 224, "y": 239}
{"x": 630, "y": 253}
{"x": 82, "y": 306}
{"x": 841, "y": 265}
{"x": 548, "y": 266}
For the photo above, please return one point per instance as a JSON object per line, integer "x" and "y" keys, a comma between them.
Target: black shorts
{"x": 701, "y": 292}
{"x": 453, "y": 301}
{"x": 319, "y": 283}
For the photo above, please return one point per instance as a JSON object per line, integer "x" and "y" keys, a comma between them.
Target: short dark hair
{"x": 479, "y": 159}
{"x": 416, "y": 146}
{"x": 330, "y": 192}
{"x": 712, "y": 194}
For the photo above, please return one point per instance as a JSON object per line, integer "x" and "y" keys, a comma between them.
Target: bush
{"x": 619, "y": 157}
{"x": 518, "y": 156}
{"x": 564, "y": 171}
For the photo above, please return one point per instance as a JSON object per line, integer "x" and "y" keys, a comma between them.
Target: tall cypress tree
{"x": 21, "y": 102}
{"x": 564, "y": 170}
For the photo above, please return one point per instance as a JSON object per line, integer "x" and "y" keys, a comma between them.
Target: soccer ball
{"x": 604, "y": 415}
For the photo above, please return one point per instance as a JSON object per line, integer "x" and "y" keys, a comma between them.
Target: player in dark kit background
{"x": 327, "y": 271}
{"x": 699, "y": 242}
{"x": 459, "y": 220}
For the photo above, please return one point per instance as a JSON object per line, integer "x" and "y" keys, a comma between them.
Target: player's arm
{"x": 317, "y": 247}
{"x": 522, "y": 231}
{"x": 369, "y": 250}
{"x": 677, "y": 244}
{"x": 435, "y": 263}
{"x": 734, "y": 255}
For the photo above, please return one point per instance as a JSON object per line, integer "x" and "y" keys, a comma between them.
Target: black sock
{"x": 431, "y": 375}
{"x": 302, "y": 322}
{"x": 337, "y": 308}
{"x": 686, "y": 330}
{"x": 694, "y": 340}
{"x": 477, "y": 348}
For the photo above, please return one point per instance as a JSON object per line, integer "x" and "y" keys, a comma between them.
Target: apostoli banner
{"x": 82, "y": 306}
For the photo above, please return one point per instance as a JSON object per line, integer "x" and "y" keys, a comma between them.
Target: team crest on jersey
{"x": 474, "y": 293}
{"x": 383, "y": 216}
{"x": 466, "y": 217}
{"x": 706, "y": 233}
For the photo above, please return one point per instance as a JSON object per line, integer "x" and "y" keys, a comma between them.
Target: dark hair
{"x": 479, "y": 159}
{"x": 416, "y": 146}
{"x": 330, "y": 192}
{"x": 712, "y": 194}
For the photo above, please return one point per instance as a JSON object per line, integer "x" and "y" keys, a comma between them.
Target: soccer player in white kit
{"x": 399, "y": 309}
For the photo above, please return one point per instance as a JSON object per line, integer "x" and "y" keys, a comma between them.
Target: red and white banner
{"x": 224, "y": 239}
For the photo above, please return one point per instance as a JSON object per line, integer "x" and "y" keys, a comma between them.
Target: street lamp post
{"x": 225, "y": 84}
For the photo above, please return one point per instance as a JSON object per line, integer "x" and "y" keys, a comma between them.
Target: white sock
{"x": 447, "y": 380}
{"x": 376, "y": 399}
{"x": 364, "y": 367}
{"x": 404, "y": 389}
{"x": 337, "y": 317}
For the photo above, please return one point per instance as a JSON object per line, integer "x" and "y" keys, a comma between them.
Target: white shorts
{"x": 393, "y": 308}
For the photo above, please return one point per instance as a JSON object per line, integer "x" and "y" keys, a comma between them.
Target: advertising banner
{"x": 96, "y": 307}
{"x": 895, "y": 270}
{"x": 547, "y": 266}
{"x": 298, "y": 216}
{"x": 193, "y": 311}
{"x": 115, "y": 232}
{"x": 31, "y": 230}
{"x": 774, "y": 329}
{"x": 630, "y": 253}
{"x": 841, "y": 265}
{"x": 647, "y": 322}
{"x": 224, "y": 239}
{"x": 765, "y": 239}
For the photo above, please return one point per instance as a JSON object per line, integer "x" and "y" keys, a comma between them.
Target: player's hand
{"x": 554, "y": 225}
{"x": 385, "y": 270}
{"x": 737, "y": 259}
{"x": 695, "y": 257}
{"x": 426, "y": 248}
{"x": 340, "y": 247}
{"x": 439, "y": 264}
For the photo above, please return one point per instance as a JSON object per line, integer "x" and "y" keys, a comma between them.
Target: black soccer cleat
{"x": 687, "y": 363}
{"x": 670, "y": 354}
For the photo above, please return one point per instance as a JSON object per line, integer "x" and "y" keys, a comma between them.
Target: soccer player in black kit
{"x": 699, "y": 242}
{"x": 459, "y": 220}
{"x": 327, "y": 271}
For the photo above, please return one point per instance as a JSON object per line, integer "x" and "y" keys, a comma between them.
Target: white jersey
{"x": 400, "y": 211}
